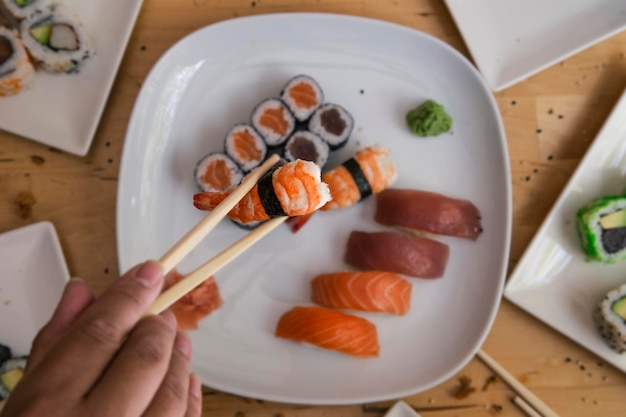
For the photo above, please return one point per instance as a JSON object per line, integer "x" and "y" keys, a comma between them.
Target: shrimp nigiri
{"x": 293, "y": 189}
{"x": 369, "y": 172}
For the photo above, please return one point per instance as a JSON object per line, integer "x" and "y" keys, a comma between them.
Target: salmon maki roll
{"x": 16, "y": 71}
{"x": 374, "y": 291}
{"x": 245, "y": 146}
{"x": 196, "y": 304}
{"x": 274, "y": 121}
{"x": 369, "y": 172}
{"x": 425, "y": 211}
{"x": 333, "y": 124}
{"x": 218, "y": 173}
{"x": 308, "y": 147}
{"x": 292, "y": 189}
{"x": 397, "y": 252}
{"x": 330, "y": 329}
{"x": 303, "y": 95}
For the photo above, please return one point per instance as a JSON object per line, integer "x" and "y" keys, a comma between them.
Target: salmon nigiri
{"x": 375, "y": 291}
{"x": 293, "y": 189}
{"x": 196, "y": 304}
{"x": 330, "y": 329}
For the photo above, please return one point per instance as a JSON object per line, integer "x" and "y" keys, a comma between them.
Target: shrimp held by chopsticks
{"x": 293, "y": 189}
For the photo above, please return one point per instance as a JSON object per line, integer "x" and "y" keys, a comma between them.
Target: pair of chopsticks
{"x": 526, "y": 400}
{"x": 190, "y": 240}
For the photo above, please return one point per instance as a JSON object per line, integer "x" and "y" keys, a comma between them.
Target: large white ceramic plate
{"x": 213, "y": 79}
{"x": 63, "y": 111}
{"x": 511, "y": 40}
{"x": 552, "y": 280}
{"x": 32, "y": 276}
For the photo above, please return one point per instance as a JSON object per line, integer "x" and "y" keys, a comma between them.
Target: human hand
{"x": 99, "y": 358}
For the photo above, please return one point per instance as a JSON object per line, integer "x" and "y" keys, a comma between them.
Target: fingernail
{"x": 183, "y": 343}
{"x": 149, "y": 274}
{"x": 195, "y": 386}
{"x": 170, "y": 319}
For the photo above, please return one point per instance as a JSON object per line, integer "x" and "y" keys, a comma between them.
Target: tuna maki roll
{"x": 216, "y": 172}
{"x": 602, "y": 229}
{"x": 610, "y": 319}
{"x": 245, "y": 146}
{"x": 303, "y": 95}
{"x": 332, "y": 123}
{"x": 56, "y": 40}
{"x": 307, "y": 146}
{"x": 274, "y": 121}
{"x": 16, "y": 71}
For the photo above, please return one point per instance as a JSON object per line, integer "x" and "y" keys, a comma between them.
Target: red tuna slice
{"x": 428, "y": 212}
{"x": 397, "y": 252}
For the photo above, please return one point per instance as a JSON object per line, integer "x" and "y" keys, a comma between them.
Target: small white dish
{"x": 33, "y": 274}
{"x": 552, "y": 280}
{"x": 63, "y": 111}
{"x": 401, "y": 409}
{"x": 213, "y": 79}
{"x": 511, "y": 40}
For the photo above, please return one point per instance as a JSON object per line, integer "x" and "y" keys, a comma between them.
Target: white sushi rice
{"x": 49, "y": 58}
{"x": 300, "y": 204}
{"x": 243, "y": 161}
{"x": 321, "y": 147}
{"x": 235, "y": 173}
{"x": 611, "y": 326}
{"x": 302, "y": 113}
{"x": 272, "y": 137}
{"x": 29, "y": 9}
{"x": 334, "y": 140}
{"x": 17, "y": 72}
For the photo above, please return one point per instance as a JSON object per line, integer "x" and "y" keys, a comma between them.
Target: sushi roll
{"x": 245, "y": 146}
{"x": 216, "y": 172}
{"x": 274, "y": 121}
{"x": 307, "y": 146}
{"x": 24, "y": 8}
{"x": 332, "y": 123}
{"x": 610, "y": 319}
{"x": 601, "y": 227}
{"x": 56, "y": 40}
{"x": 16, "y": 71}
{"x": 303, "y": 95}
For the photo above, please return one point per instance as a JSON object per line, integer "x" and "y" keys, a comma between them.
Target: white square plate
{"x": 61, "y": 110}
{"x": 32, "y": 277}
{"x": 552, "y": 280}
{"x": 401, "y": 409}
{"x": 511, "y": 40}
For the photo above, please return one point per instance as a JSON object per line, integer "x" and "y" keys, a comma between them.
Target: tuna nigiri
{"x": 195, "y": 305}
{"x": 397, "y": 252}
{"x": 374, "y": 291}
{"x": 292, "y": 189}
{"x": 329, "y": 329}
{"x": 428, "y": 212}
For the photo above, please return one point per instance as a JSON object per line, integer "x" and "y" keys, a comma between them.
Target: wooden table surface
{"x": 78, "y": 195}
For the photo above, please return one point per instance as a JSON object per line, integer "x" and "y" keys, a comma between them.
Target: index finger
{"x": 81, "y": 357}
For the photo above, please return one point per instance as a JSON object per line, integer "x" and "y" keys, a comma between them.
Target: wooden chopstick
{"x": 525, "y": 407}
{"x": 517, "y": 386}
{"x": 191, "y": 239}
{"x": 191, "y": 281}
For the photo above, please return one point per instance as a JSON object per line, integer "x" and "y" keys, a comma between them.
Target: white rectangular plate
{"x": 552, "y": 280}
{"x": 511, "y": 40}
{"x": 61, "y": 110}
{"x": 32, "y": 277}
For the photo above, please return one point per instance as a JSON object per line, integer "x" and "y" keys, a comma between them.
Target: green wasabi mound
{"x": 429, "y": 119}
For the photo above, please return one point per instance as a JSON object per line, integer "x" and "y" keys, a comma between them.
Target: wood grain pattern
{"x": 550, "y": 121}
